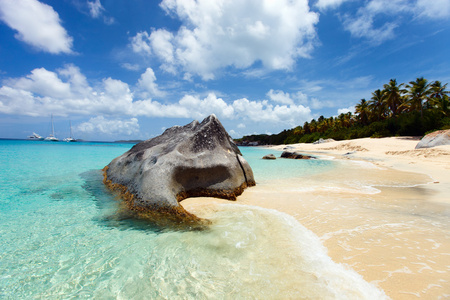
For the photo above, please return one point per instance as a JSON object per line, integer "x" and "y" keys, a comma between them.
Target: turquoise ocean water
{"x": 61, "y": 237}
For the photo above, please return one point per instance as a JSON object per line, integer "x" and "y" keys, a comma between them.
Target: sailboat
{"x": 35, "y": 137}
{"x": 51, "y": 137}
{"x": 70, "y": 138}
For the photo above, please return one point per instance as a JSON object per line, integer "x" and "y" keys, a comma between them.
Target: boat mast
{"x": 53, "y": 129}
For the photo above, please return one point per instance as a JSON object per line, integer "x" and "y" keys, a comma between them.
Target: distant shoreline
{"x": 79, "y": 140}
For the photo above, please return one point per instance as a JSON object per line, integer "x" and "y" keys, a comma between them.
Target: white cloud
{"x": 236, "y": 33}
{"x": 67, "y": 91}
{"x": 263, "y": 111}
{"x": 44, "y": 83}
{"x": 299, "y": 97}
{"x": 109, "y": 126}
{"x": 346, "y": 110}
{"x": 63, "y": 92}
{"x": 95, "y": 8}
{"x": 325, "y": 4}
{"x": 280, "y": 97}
{"x": 362, "y": 26}
{"x": 318, "y": 104}
{"x": 37, "y": 24}
{"x": 161, "y": 43}
{"x": 139, "y": 43}
{"x": 388, "y": 14}
{"x": 435, "y": 9}
{"x": 131, "y": 67}
{"x": 147, "y": 82}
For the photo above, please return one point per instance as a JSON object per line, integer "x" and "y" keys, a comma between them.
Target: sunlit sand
{"x": 384, "y": 212}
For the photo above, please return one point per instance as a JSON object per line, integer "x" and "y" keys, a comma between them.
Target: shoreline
{"x": 395, "y": 235}
{"x": 397, "y": 153}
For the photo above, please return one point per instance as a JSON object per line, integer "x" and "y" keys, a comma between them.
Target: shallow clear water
{"x": 267, "y": 170}
{"x": 62, "y": 236}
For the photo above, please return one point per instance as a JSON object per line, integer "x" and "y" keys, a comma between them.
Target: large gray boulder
{"x": 198, "y": 159}
{"x": 437, "y": 138}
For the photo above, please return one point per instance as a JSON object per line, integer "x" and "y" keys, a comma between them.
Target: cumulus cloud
{"x": 63, "y": 92}
{"x": 264, "y": 111}
{"x": 139, "y": 43}
{"x": 66, "y": 91}
{"x": 148, "y": 84}
{"x": 37, "y": 24}
{"x": 236, "y": 33}
{"x": 102, "y": 125}
{"x": 280, "y": 96}
{"x": 42, "y": 82}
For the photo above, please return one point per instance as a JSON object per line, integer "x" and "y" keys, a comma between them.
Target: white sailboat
{"x": 70, "y": 138}
{"x": 51, "y": 137}
{"x": 35, "y": 137}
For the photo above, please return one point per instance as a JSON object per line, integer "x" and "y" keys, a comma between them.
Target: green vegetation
{"x": 397, "y": 110}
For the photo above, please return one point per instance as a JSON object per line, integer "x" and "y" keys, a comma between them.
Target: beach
{"x": 343, "y": 226}
{"x": 65, "y": 235}
{"x": 384, "y": 212}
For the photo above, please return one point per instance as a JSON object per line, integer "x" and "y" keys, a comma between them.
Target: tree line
{"x": 410, "y": 109}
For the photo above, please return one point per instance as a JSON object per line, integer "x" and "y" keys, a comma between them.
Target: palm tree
{"x": 298, "y": 130}
{"x": 418, "y": 92}
{"x": 313, "y": 126}
{"x": 306, "y": 128}
{"x": 393, "y": 96}
{"x": 438, "y": 96}
{"x": 377, "y": 106}
{"x": 362, "y": 109}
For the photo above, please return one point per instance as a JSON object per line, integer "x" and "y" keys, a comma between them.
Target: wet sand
{"x": 384, "y": 212}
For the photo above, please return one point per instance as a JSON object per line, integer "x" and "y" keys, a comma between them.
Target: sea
{"x": 63, "y": 235}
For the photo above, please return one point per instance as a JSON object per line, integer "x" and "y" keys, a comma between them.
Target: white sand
{"x": 396, "y": 237}
{"x": 394, "y": 152}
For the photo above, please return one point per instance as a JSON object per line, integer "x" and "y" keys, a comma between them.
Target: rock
{"x": 437, "y": 138}
{"x": 269, "y": 156}
{"x": 294, "y": 155}
{"x": 288, "y": 147}
{"x": 321, "y": 141}
{"x": 196, "y": 160}
{"x": 350, "y": 153}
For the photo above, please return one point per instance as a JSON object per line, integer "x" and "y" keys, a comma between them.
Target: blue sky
{"x": 128, "y": 69}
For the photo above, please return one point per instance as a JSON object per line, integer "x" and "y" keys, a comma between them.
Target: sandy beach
{"x": 384, "y": 212}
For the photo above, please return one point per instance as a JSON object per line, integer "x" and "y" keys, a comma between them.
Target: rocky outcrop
{"x": 322, "y": 141}
{"x": 295, "y": 155}
{"x": 269, "y": 156}
{"x": 437, "y": 138}
{"x": 198, "y": 159}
